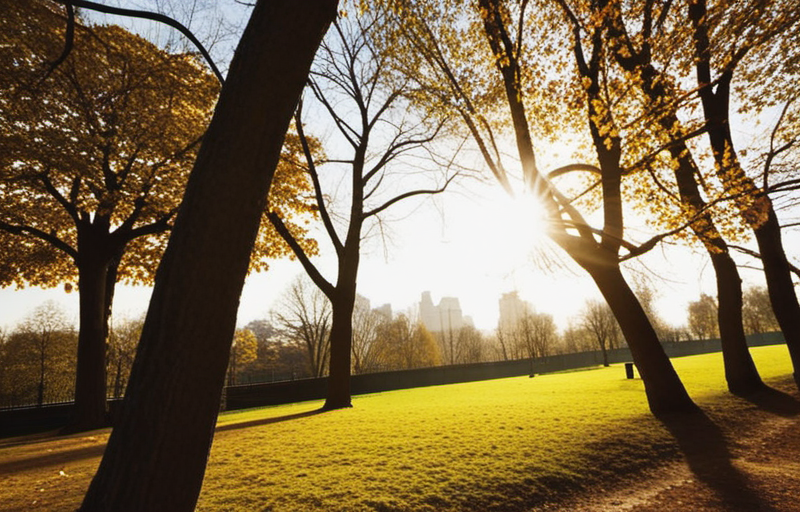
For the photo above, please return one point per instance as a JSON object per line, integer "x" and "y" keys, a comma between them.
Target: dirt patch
{"x": 749, "y": 463}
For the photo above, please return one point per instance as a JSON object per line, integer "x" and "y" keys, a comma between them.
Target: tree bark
{"x": 90, "y": 376}
{"x": 156, "y": 456}
{"x": 780, "y": 287}
{"x": 740, "y": 370}
{"x": 754, "y": 204}
{"x": 665, "y": 391}
{"x": 341, "y": 343}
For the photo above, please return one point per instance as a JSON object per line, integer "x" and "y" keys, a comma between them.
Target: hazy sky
{"x": 473, "y": 246}
{"x": 472, "y": 242}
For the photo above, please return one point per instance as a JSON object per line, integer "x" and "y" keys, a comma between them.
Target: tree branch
{"x": 312, "y": 171}
{"x": 757, "y": 255}
{"x": 327, "y": 288}
{"x": 161, "y": 18}
{"x": 69, "y": 40}
{"x": 38, "y": 233}
{"x": 406, "y": 195}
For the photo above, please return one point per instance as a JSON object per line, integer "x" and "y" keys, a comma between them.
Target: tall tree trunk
{"x": 90, "y": 378}
{"x": 780, "y": 287}
{"x": 156, "y": 456}
{"x": 754, "y": 204}
{"x": 341, "y": 341}
{"x": 343, "y": 304}
{"x": 665, "y": 391}
{"x": 740, "y": 370}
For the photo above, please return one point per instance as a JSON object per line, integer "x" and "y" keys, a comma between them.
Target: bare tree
{"x": 44, "y": 344}
{"x": 305, "y": 317}
{"x": 366, "y": 325}
{"x": 537, "y": 334}
{"x": 599, "y": 320}
{"x": 122, "y": 340}
{"x": 351, "y": 83}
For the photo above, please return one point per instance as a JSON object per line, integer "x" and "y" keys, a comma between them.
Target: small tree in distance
{"x": 599, "y": 321}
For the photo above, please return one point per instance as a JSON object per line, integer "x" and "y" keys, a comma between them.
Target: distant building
{"x": 446, "y": 316}
{"x": 385, "y": 311}
{"x": 512, "y": 310}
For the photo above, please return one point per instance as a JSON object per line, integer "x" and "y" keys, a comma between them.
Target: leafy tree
{"x": 727, "y": 46}
{"x": 244, "y": 351}
{"x": 305, "y": 317}
{"x": 90, "y": 198}
{"x": 638, "y": 53}
{"x": 351, "y": 83}
{"x": 600, "y": 322}
{"x": 703, "y": 318}
{"x": 518, "y": 83}
{"x": 758, "y": 314}
{"x": 38, "y": 359}
{"x": 175, "y": 387}
{"x": 405, "y": 344}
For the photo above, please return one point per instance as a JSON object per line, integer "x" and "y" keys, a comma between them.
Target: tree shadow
{"x": 706, "y": 450}
{"x": 774, "y": 401}
{"x": 268, "y": 421}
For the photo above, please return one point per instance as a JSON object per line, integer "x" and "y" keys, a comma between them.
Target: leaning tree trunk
{"x": 90, "y": 377}
{"x": 779, "y": 283}
{"x": 665, "y": 391}
{"x": 156, "y": 456}
{"x": 754, "y": 204}
{"x": 740, "y": 370}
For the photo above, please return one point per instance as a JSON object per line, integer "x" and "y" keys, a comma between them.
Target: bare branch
{"x": 406, "y": 195}
{"x": 327, "y": 288}
{"x": 161, "y": 18}
{"x": 312, "y": 171}
{"x": 757, "y": 255}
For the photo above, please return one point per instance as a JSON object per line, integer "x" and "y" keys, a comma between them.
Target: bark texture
{"x": 156, "y": 456}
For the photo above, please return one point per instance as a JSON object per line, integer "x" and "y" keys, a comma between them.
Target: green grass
{"x": 492, "y": 445}
{"x": 500, "y": 444}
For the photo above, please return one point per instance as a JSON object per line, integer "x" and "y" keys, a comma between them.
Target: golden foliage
{"x": 96, "y": 153}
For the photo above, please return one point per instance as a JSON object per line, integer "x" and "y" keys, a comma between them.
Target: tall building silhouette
{"x": 512, "y": 310}
{"x": 444, "y": 317}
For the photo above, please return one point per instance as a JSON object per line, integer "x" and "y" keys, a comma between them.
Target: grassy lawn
{"x": 501, "y": 445}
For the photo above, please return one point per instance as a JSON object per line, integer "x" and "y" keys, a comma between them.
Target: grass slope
{"x": 494, "y": 445}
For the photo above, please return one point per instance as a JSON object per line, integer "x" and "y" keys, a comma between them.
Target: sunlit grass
{"x": 477, "y": 446}
{"x": 492, "y": 445}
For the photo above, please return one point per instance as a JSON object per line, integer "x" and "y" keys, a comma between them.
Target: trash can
{"x": 629, "y": 370}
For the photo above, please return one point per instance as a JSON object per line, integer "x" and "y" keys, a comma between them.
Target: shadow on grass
{"x": 54, "y": 459}
{"x": 706, "y": 450}
{"x": 774, "y": 401}
{"x": 60, "y": 458}
{"x": 268, "y": 421}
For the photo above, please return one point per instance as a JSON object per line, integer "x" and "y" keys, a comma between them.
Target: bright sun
{"x": 516, "y": 226}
